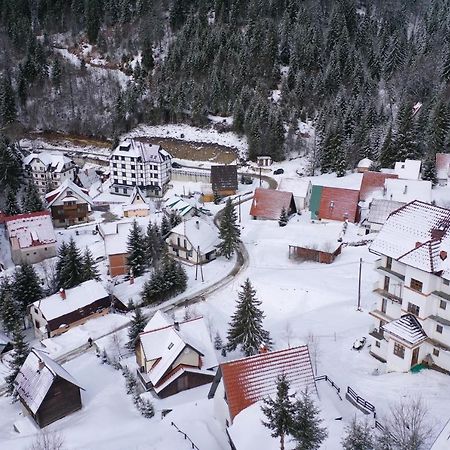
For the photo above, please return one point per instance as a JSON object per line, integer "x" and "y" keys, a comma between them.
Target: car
{"x": 278, "y": 172}
{"x": 176, "y": 165}
{"x": 246, "y": 180}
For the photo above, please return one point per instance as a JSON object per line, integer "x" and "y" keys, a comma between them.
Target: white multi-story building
{"x": 134, "y": 163}
{"x": 49, "y": 170}
{"x": 412, "y": 317}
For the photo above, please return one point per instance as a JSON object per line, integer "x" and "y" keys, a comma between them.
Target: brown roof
{"x": 251, "y": 379}
{"x": 339, "y": 204}
{"x": 371, "y": 182}
{"x": 224, "y": 177}
{"x": 268, "y": 203}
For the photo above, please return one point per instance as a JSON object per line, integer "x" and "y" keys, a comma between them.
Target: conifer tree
{"x": 10, "y": 165}
{"x": 358, "y": 436}
{"x": 137, "y": 326}
{"x": 10, "y": 311}
{"x": 246, "y": 329}
{"x": 147, "y": 409}
{"x": 387, "y": 153}
{"x": 19, "y": 355}
{"x": 429, "y": 171}
{"x": 279, "y": 411}
{"x": 32, "y": 201}
{"x": 155, "y": 243}
{"x": 305, "y": 428}
{"x": 70, "y": 268}
{"x": 137, "y": 251}
{"x": 11, "y": 206}
{"x": 165, "y": 226}
{"x": 174, "y": 219}
{"x": 218, "y": 344}
{"x": 26, "y": 287}
{"x": 445, "y": 72}
{"x": 283, "y": 220}
{"x": 229, "y": 231}
{"x": 56, "y": 73}
{"x": 405, "y": 138}
{"x": 89, "y": 271}
{"x": 8, "y": 112}
{"x": 62, "y": 255}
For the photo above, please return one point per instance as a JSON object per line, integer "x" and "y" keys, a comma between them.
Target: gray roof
{"x": 380, "y": 210}
{"x": 224, "y": 177}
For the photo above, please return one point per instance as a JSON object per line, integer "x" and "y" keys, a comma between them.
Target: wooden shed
{"x": 314, "y": 254}
{"x": 224, "y": 179}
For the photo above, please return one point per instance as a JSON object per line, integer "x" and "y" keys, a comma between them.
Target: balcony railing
{"x": 388, "y": 295}
{"x": 377, "y": 334}
{"x": 392, "y": 273}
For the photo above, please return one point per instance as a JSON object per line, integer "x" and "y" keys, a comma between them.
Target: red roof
{"x": 251, "y": 379}
{"x": 27, "y": 215}
{"x": 339, "y": 204}
{"x": 371, "y": 182}
{"x": 268, "y": 203}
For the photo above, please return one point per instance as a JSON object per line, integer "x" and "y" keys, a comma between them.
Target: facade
{"x": 412, "y": 317}
{"x": 137, "y": 205}
{"x": 173, "y": 357}
{"x": 31, "y": 237}
{"x": 54, "y": 315}
{"x": 194, "y": 241}
{"x": 267, "y": 204}
{"x": 408, "y": 169}
{"x": 69, "y": 204}
{"x": 224, "y": 179}
{"x": 49, "y": 170}
{"x": 135, "y": 163}
{"x": 301, "y": 189}
{"x": 264, "y": 161}
{"x": 46, "y": 391}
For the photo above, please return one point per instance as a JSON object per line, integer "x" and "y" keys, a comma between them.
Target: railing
{"x": 185, "y": 436}
{"x": 333, "y": 384}
{"x": 361, "y": 401}
{"x": 378, "y": 425}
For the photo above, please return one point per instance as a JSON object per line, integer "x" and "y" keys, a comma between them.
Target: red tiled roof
{"x": 251, "y": 379}
{"x": 27, "y": 215}
{"x": 339, "y": 204}
{"x": 268, "y": 203}
{"x": 373, "y": 181}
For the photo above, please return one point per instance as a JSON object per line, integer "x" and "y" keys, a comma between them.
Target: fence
{"x": 360, "y": 401}
{"x": 332, "y": 383}
{"x": 185, "y": 436}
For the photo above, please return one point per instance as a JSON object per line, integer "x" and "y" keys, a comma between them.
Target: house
{"x": 240, "y": 383}
{"x": 332, "y": 203}
{"x": 46, "y": 390}
{"x": 264, "y": 161}
{"x": 180, "y": 206}
{"x": 364, "y": 165}
{"x": 412, "y": 317}
{"x": 49, "y": 170}
{"x": 136, "y": 206}
{"x": 174, "y": 356}
{"x": 409, "y": 169}
{"x": 193, "y": 240}
{"x": 300, "y": 188}
{"x": 135, "y": 163}
{"x": 372, "y": 185}
{"x": 31, "y": 237}
{"x": 379, "y": 211}
{"x": 69, "y": 204}
{"x": 442, "y": 168}
{"x": 88, "y": 176}
{"x": 407, "y": 190}
{"x": 224, "y": 179}
{"x": 69, "y": 308}
{"x": 268, "y": 204}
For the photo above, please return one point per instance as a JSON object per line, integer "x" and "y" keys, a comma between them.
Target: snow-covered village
{"x": 224, "y": 225}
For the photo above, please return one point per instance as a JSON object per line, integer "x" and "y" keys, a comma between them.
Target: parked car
{"x": 246, "y": 180}
{"x": 175, "y": 165}
{"x": 278, "y": 172}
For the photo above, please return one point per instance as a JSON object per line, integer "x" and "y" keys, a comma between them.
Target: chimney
{"x": 176, "y": 326}
{"x": 263, "y": 348}
{"x": 62, "y": 293}
{"x": 197, "y": 224}
{"x": 443, "y": 255}
{"x": 418, "y": 244}
{"x": 41, "y": 365}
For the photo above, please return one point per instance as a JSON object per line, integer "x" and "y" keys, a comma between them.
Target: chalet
{"x": 69, "y": 308}
{"x": 31, "y": 237}
{"x": 180, "y": 206}
{"x": 379, "y": 211}
{"x": 300, "y": 188}
{"x": 442, "y": 168}
{"x": 268, "y": 204}
{"x": 364, "y": 165}
{"x": 173, "y": 357}
{"x": 406, "y": 191}
{"x": 193, "y": 240}
{"x": 331, "y": 203}
{"x": 136, "y": 206}
{"x": 412, "y": 316}
{"x": 240, "y": 383}
{"x": 408, "y": 169}
{"x": 46, "y": 391}
{"x": 372, "y": 185}
{"x": 69, "y": 204}
{"x": 224, "y": 179}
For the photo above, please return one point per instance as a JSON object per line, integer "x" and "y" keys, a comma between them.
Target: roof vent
{"x": 443, "y": 255}
{"x": 176, "y": 326}
{"x": 62, "y": 293}
{"x": 170, "y": 346}
{"x": 418, "y": 244}
{"x": 41, "y": 365}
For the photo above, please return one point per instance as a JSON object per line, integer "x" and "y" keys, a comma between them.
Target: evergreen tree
{"x": 279, "y": 411}
{"x": 438, "y": 128}
{"x": 283, "y": 220}
{"x": 218, "y": 344}
{"x": 56, "y": 73}
{"x": 174, "y": 219}
{"x": 429, "y": 171}
{"x": 137, "y": 251}
{"x": 19, "y": 355}
{"x": 246, "y": 329}
{"x": 8, "y": 112}
{"x": 59, "y": 266}
{"x": 445, "y": 71}
{"x": 10, "y": 311}
{"x": 147, "y": 55}
{"x": 11, "y": 206}
{"x": 155, "y": 243}
{"x": 32, "y": 201}
{"x": 147, "y": 409}
{"x": 89, "y": 270}
{"x": 305, "y": 428}
{"x": 229, "y": 231}
{"x": 70, "y": 268}
{"x": 165, "y": 226}
{"x": 137, "y": 326}
{"x": 406, "y": 139}
{"x": 387, "y": 153}
{"x": 10, "y": 165}
{"x": 358, "y": 436}
{"x": 26, "y": 287}
{"x": 92, "y": 11}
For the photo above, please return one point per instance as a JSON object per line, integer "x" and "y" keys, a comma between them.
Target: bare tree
{"x": 48, "y": 441}
{"x": 314, "y": 350}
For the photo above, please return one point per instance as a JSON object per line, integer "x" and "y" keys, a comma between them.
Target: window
{"x": 383, "y": 305}
{"x": 122, "y": 158}
{"x": 114, "y": 164}
{"x": 413, "y": 309}
{"x": 386, "y": 284}
{"x": 116, "y": 180}
{"x": 416, "y": 285}
{"x": 377, "y": 344}
{"x": 443, "y": 304}
{"x": 115, "y": 173}
{"x": 123, "y": 166}
{"x": 399, "y": 350}
{"x": 389, "y": 263}
{"x": 133, "y": 175}
{"x": 124, "y": 174}
{"x": 435, "y": 352}
{"x": 446, "y": 282}
{"x": 439, "y": 329}
{"x": 116, "y": 158}
{"x": 133, "y": 167}
{"x": 116, "y": 189}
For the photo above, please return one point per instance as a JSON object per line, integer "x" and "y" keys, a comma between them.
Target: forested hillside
{"x": 358, "y": 69}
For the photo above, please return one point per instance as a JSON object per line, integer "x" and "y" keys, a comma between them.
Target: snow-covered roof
{"x": 365, "y": 163}
{"x": 116, "y": 237}
{"x": 198, "y": 232}
{"x": 380, "y": 210}
{"x": 138, "y": 149}
{"x": 417, "y": 234}
{"x": 62, "y": 192}
{"x": 181, "y": 206}
{"x": 164, "y": 341}
{"x": 401, "y": 190}
{"x": 31, "y": 229}
{"x": 298, "y": 186}
{"x": 409, "y": 169}
{"x": 54, "y": 162}
{"x": 321, "y": 236}
{"x": 268, "y": 203}
{"x": 77, "y": 297}
{"x": 36, "y": 377}
{"x": 407, "y": 328}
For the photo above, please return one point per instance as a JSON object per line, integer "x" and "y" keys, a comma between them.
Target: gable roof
{"x": 136, "y": 196}
{"x": 373, "y": 184}
{"x": 380, "y": 210}
{"x": 178, "y": 204}
{"x": 199, "y": 233}
{"x": 145, "y": 151}
{"x": 224, "y": 177}
{"x": 68, "y": 185}
{"x": 298, "y": 186}
{"x": 251, "y": 379}
{"x": 408, "y": 169}
{"x": 408, "y": 190}
{"x": 336, "y": 203}
{"x": 268, "y": 203}
{"x": 407, "y": 328}
{"x": 53, "y": 162}
{"x": 33, "y": 383}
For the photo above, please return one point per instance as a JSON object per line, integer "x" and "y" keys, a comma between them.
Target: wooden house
{"x": 46, "y": 391}
{"x": 224, "y": 179}
{"x": 268, "y": 204}
{"x": 173, "y": 357}
{"x": 136, "y": 206}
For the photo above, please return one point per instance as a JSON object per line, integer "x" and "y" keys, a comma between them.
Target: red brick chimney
{"x": 62, "y": 293}
{"x": 263, "y": 348}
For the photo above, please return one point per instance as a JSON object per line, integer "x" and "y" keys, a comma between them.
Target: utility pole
{"x": 359, "y": 285}
{"x": 239, "y": 206}
{"x": 260, "y": 181}
{"x": 201, "y": 267}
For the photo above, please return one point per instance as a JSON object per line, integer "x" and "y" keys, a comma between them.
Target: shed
{"x": 364, "y": 165}
{"x": 264, "y": 161}
{"x": 224, "y": 179}
{"x": 268, "y": 204}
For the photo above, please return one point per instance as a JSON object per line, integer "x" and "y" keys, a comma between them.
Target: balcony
{"x": 388, "y": 295}
{"x": 389, "y": 272}
{"x": 441, "y": 295}
{"x": 378, "y": 334}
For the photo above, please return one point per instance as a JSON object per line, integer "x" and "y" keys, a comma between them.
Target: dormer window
{"x": 170, "y": 346}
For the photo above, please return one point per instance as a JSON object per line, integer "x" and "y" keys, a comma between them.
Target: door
{"x": 415, "y": 357}
{"x": 383, "y": 305}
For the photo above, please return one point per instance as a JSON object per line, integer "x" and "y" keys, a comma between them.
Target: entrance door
{"x": 415, "y": 357}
